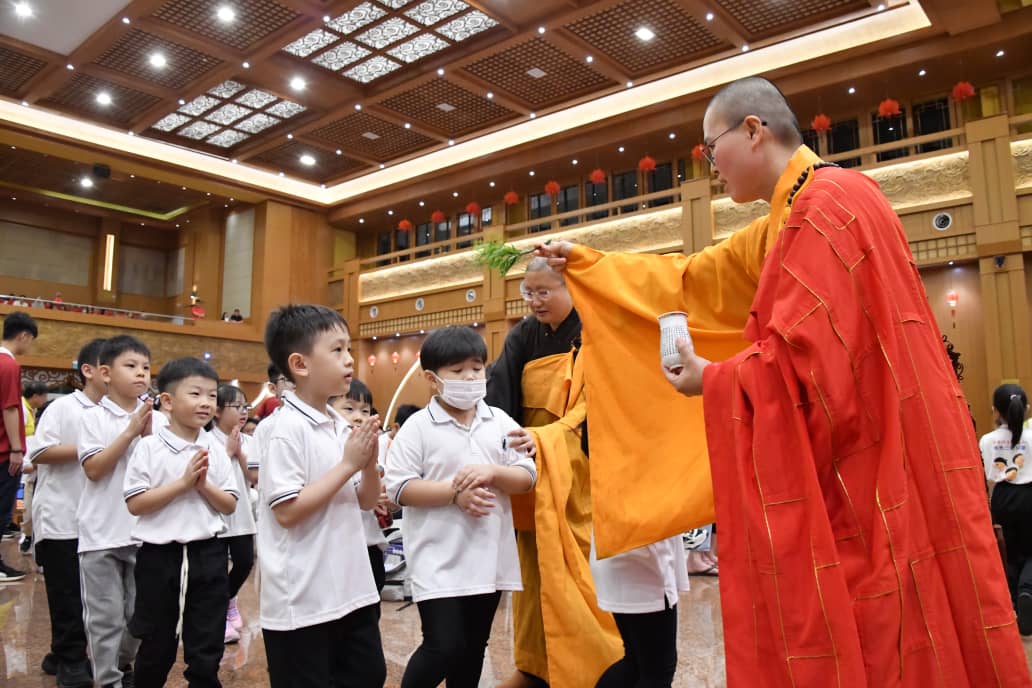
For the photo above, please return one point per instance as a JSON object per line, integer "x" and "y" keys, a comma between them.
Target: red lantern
{"x": 597, "y": 176}
{"x": 962, "y": 91}
{"x": 888, "y": 108}
{"x": 437, "y": 217}
{"x": 699, "y": 152}
{"x": 371, "y": 361}
{"x": 473, "y": 208}
{"x": 395, "y": 357}
{"x": 511, "y": 198}
{"x": 952, "y": 299}
{"x": 821, "y": 123}
{"x": 647, "y": 164}
{"x": 405, "y": 226}
{"x": 552, "y": 187}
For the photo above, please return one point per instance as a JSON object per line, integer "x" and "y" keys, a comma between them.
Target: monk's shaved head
{"x": 757, "y": 96}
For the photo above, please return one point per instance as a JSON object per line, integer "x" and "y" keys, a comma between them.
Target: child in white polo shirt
{"x": 450, "y": 466}
{"x": 179, "y": 484}
{"x": 107, "y": 552}
{"x": 318, "y": 598}
{"x": 59, "y": 485}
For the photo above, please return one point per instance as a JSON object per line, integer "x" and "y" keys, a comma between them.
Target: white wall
{"x": 237, "y": 262}
{"x": 141, "y": 271}
{"x": 43, "y": 254}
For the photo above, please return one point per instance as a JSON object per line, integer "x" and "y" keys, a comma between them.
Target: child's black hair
{"x": 359, "y": 392}
{"x": 228, "y": 394}
{"x": 89, "y": 355}
{"x": 17, "y": 322}
{"x": 405, "y": 412}
{"x": 450, "y": 345}
{"x": 33, "y": 388}
{"x": 251, "y": 420}
{"x": 1010, "y": 401}
{"x": 177, "y": 370}
{"x": 294, "y": 328}
{"x": 274, "y": 372}
{"x": 123, "y": 343}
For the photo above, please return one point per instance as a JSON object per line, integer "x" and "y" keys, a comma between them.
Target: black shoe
{"x": 9, "y": 575}
{"x": 26, "y": 545}
{"x": 77, "y": 675}
{"x": 50, "y": 664}
{"x": 128, "y": 678}
{"x": 1025, "y": 613}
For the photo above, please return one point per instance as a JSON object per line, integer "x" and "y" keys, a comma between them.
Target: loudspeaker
{"x": 101, "y": 171}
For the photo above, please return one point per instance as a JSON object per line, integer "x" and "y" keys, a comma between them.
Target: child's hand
{"x": 474, "y": 475}
{"x": 383, "y": 504}
{"x": 476, "y": 502}
{"x": 196, "y": 469}
{"x": 140, "y": 421}
{"x": 233, "y": 443}
{"x": 521, "y": 440}
{"x": 361, "y": 445}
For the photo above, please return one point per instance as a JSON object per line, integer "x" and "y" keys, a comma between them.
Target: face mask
{"x": 462, "y": 394}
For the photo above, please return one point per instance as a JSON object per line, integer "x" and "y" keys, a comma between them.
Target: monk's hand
{"x": 686, "y": 377}
{"x": 520, "y": 440}
{"x": 473, "y": 475}
{"x": 476, "y": 502}
{"x": 557, "y": 252}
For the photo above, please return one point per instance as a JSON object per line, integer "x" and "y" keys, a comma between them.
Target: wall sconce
{"x": 395, "y": 357}
{"x": 371, "y": 361}
{"x": 952, "y": 298}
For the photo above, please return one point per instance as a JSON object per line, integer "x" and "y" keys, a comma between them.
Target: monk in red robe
{"x": 856, "y": 545}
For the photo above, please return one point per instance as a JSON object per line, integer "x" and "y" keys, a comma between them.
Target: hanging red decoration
{"x": 962, "y": 91}
{"x": 405, "y": 226}
{"x": 395, "y": 357}
{"x": 371, "y": 361}
{"x": 888, "y": 108}
{"x": 511, "y": 198}
{"x": 699, "y": 152}
{"x": 552, "y": 187}
{"x": 821, "y": 123}
{"x": 473, "y": 208}
{"x": 597, "y": 176}
{"x": 647, "y": 164}
{"x": 437, "y": 217}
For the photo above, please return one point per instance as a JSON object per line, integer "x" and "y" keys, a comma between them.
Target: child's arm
{"x": 236, "y": 451}
{"x": 508, "y": 479}
{"x": 55, "y": 454}
{"x": 142, "y": 500}
{"x": 221, "y": 500}
{"x": 359, "y": 450}
{"x": 99, "y": 465}
{"x": 427, "y": 493}
{"x": 370, "y": 489}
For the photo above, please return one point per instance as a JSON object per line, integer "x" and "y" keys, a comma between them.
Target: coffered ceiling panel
{"x": 308, "y": 161}
{"x": 135, "y": 52}
{"x": 85, "y": 95}
{"x": 18, "y": 69}
{"x": 372, "y": 137}
{"x": 449, "y": 108}
{"x": 253, "y": 20}
{"x": 767, "y": 18}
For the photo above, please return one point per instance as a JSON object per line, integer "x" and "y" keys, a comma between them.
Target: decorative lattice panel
{"x": 766, "y": 17}
{"x": 947, "y": 248}
{"x": 17, "y": 69}
{"x": 255, "y": 19}
{"x": 79, "y": 95}
{"x": 130, "y": 55}
{"x": 372, "y": 137}
{"x": 287, "y": 158}
{"x": 448, "y": 108}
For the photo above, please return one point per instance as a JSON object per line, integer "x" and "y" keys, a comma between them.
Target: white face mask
{"x": 462, "y": 394}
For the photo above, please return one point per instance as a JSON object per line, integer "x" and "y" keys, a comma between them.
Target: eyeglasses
{"x": 532, "y": 294}
{"x": 709, "y": 149}
{"x": 240, "y": 408}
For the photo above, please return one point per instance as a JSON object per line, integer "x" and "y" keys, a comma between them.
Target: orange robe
{"x": 856, "y": 547}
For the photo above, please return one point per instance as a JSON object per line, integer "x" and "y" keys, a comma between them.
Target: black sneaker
{"x": 128, "y": 678}
{"x": 50, "y": 664}
{"x": 77, "y": 675}
{"x": 11, "y": 531}
{"x": 9, "y": 575}
{"x": 1025, "y": 613}
{"x": 26, "y": 545}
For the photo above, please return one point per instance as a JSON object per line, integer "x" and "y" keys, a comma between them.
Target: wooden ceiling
{"x": 384, "y": 80}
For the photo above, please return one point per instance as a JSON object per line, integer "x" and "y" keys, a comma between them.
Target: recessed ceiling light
{"x": 1000, "y": 53}
{"x": 422, "y": 203}
{"x": 536, "y": 72}
{"x": 132, "y": 133}
{"x": 644, "y": 33}
{"x": 281, "y": 174}
{"x": 709, "y": 16}
{"x": 390, "y": 212}
{"x": 531, "y": 173}
{"x": 290, "y": 137}
{"x": 951, "y": 262}
{"x": 226, "y": 14}
{"x": 407, "y": 125}
{"x": 440, "y": 71}
{"x": 307, "y": 159}
{"x": 184, "y": 188}
{"x": 339, "y": 151}
{"x": 574, "y": 161}
{"x": 455, "y": 194}
{"x": 157, "y": 60}
{"x": 589, "y": 59}
{"x": 852, "y": 90}
{"x": 247, "y": 65}
{"x": 327, "y": 18}
{"x": 880, "y": 7}
{"x": 133, "y": 176}
{"x": 491, "y": 184}
{"x": 451, "y": 142}
{"x": 382, "y": 166}
{"x": 672, "y": 136}
{"x": 745, "y": 48}
{"x": 532, "y": 115}
{"x": 541, "y": 29}
{"x": 630, "y": 83}
{"x": 922, "y": 73}
{"x": 620, "y": 149}
{"x": 70, "y": 66}
{"x": 125, "y": 20}
{"x": 361, "y": 220}
{"x": 104, "y": 98}
{"x": 182, "y": 102}
{"x": 490, "y": 95}
{"x": 86, "y": 183}
{"x": 298, "y": 84}
{"x": 25, "y": 103}
{"x": 23, "y": 9}
{"x": 358, "y": 106}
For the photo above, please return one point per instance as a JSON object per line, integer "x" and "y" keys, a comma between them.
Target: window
{"x": 625, "y": 185}
{"x": 442, "y": 233}
{"x": 383, "y": 246}
{"x": 464, "y": 227}
{"x": 423, "y": 238}
{"x": 660, "y": 179}
{"x": 811, "y": 139}
{"x": 401, "y": 242}
{"x": 930, "y": 118}
{"x": 486, "y": 216}
{"x": 596, "y": 194}
{"x": 569, "y": 199}
{"x": 540, "y": 206}
{"x": 887, "y": 130}
{"x": 845, "y": 136}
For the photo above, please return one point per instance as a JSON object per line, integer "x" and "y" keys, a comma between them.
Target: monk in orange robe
{"x": 856, "y": 545}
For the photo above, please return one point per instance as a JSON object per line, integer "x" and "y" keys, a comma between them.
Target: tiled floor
{"x": 25, "y": 638}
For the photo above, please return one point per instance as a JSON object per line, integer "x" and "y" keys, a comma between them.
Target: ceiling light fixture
{"x": 361, "y": 220}
{"x": 307, "y": 159}
{"x": 880, "y": 7}
{"x": 1000, "y": 53}
{"x": 531, "y": 173}
{"x": 422, "y": 204}
{"x": 541, "y": 29}
{"x": 491, "y": 184}
{"x": 922, "y": 73}
{"x": 620, "y": 149}
{"x": 440, "y": 71}
{"x": 745, "y": 48}
{"x": 709, "y": 16}
{"x": 451, "y": 142}
{"x": 455, "y": 194}
{"x": 532, "y": 115}
{"x": 86, "y": 183}
{"x": 672, "y": 136}
{"x": 339, "y": 151}
{"x": 226, "y": 14}
{"x": 327, "y": 18}
{"x": 852, "y": 90}
{"x": 125, "y": 20}
{"x": 644, "y": 33}
{"x": 104, "y": 98}
{"x": 407, "y": 125}
{"x": 281, "y": 174}
{"x": 182, "y": 102}
{"x": 247, "y": 65}
{"x": 589, "y": 59}
{"x": 290, "y": 137}
{"x": 490, "y": 95}
{"x": 157, "y": 60}
{"x": 390, "y": 212}
{"x": 630, "y": 83}
{"x": 574, "y": 161}
{"x": 23, "y": 9}
{"x": 70, "y": 66}
{"x": 358, "y": 106}
{"x": 234, "y": 161}
{"x": 382, "y": 166}
{"x": 298, "y": 84}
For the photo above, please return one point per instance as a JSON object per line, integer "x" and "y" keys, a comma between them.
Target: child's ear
{"x": 298, "y": 365}
{"x": 166, "y": 400}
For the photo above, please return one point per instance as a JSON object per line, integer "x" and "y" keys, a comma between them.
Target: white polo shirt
{"x": 317, "y": 571}
{"x": 158, "y": 421}
{"x": 241, "y": 521}
{"x": 104, "y": 520}
{"x": 1006, "y": 463}
{"x": 58, "y": 486}
{"x": 643, "y": 580}
{"x": 449, "y": 553}
{"x": 161, "y": 459}
{"x": 260, "y": 439}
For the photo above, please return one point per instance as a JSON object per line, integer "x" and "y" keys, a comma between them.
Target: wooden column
{"x": 1008, "y": 329}
{"x": 496, "y": 325}
{"x": 696, "y": 215}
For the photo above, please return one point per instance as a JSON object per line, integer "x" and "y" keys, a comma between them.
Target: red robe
{"x": 855, "y": 541}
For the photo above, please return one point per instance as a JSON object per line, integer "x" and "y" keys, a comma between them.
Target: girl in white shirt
{"x": 1008, "y": 470}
